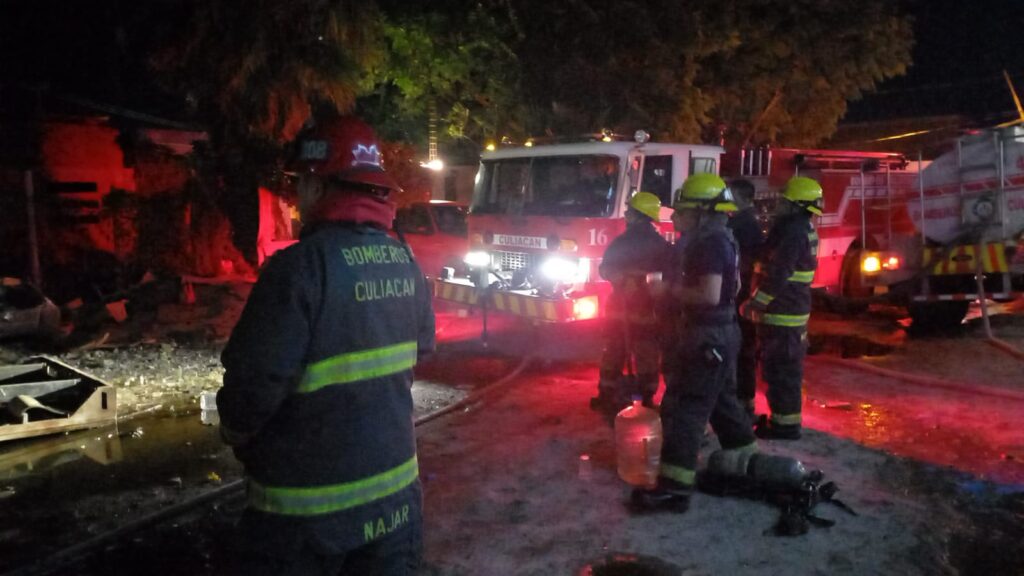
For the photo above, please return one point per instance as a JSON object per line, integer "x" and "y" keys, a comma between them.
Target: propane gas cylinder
{"x": 638, "y": 439}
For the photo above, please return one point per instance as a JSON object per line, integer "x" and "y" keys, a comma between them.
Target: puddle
{"x": 621, "y": 564}
{"x": 156, "y": 450}
{"x": 58, "y": 490}
{"x": 846, "y": 346}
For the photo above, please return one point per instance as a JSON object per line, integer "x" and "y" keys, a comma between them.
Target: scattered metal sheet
{"x": 16, "y": 370}
{"x": 46, "y": 396}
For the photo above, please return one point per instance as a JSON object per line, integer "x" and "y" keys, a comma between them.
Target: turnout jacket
{"x": 784, "y": 275}
{"x": 316, "y": 397}
{"x": 627, "y": 261}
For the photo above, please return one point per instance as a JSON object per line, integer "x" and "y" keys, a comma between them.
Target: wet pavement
{"x": 165, "y": 458}
{"x": 974, "y": 433}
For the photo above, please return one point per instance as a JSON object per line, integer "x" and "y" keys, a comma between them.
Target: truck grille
{"x": 513, "y": 260}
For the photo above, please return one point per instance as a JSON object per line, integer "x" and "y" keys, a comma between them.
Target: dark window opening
{"x": 657, "y": 178}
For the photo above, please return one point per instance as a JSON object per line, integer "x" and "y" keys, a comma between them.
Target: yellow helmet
{"x": 804, "y": 192}
{"x": 706, "y": 192}
{"x": 646, "y": 203}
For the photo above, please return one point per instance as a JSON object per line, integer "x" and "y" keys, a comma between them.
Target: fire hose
{"x": 230, "y": 491}
{"x": 926, "y": 381}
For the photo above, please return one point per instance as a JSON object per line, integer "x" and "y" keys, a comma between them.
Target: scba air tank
{"x": 638, "y": 439}
{"x": 779, "y": 473}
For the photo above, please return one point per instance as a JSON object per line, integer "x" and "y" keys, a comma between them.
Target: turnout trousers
{"x": 646, "y": 350}
{"x": 702, "y": 390}
{"x": 782, "y": 365}
{"x": 397, "y": 554}
{"x": 746, "y": 365}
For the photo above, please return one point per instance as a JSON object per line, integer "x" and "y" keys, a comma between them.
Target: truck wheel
{"x": 852, "y": 291}
{"x": 937, "y": 315}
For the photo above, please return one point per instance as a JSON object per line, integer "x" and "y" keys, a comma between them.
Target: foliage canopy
{"x": 777, "y": 71}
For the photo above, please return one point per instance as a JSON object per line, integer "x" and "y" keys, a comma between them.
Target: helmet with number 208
{"x": 345, "y": 149}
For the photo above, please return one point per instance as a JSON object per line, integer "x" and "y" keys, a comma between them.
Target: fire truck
{"x": 890, "y": 231}
{"x": 543, "y": 215}
{"x": 932, "y": 237}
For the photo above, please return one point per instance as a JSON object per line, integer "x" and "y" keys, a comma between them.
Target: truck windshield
{"x": 582, "y": 186}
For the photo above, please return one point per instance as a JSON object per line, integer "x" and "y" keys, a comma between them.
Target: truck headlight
{"x": 560, "y": 270}
{"x": 477, "y": 259}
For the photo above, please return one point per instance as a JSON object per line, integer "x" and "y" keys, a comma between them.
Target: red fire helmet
{"x": 344, "y": 149}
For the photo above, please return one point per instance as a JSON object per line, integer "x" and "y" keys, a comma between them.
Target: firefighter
{"x": 780, "y": 304}
{"x": 632, "y": 323}
{"x": 747, "y": 231}
{"x": 669, "y": 308}
{"x": 703, "y": 389}
{"x": 316, "y": 399}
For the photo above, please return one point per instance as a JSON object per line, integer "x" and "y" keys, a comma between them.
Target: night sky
{"x": 90, "y": 48}
{"x": 962, "y": 47}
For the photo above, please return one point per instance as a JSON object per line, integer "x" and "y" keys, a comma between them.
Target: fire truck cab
{"x": 542, "y": 216}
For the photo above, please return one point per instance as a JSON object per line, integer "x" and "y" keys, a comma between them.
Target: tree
{"x": 589, "y": 65}
{"x": 445, "y": 62}
{"x": 256, "y": 68}
{"x": 254, "y": 71}
{"x": 794, "y": 65}
{"x": 767, "y": 70}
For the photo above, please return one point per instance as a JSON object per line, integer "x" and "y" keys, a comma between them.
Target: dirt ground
{"x": 521, "y": 506}
{"x": 503, "y": 485}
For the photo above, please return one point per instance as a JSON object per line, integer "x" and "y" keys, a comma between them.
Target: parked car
{"x": 437, "y": 233}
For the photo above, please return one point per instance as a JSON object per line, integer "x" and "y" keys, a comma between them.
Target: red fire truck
{"x": 543, "y": 215}
{"x": 918, "y": 237}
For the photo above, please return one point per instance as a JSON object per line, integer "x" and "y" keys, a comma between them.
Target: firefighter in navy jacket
{"x": 632, "y": 325}
{"x": 703, "y": 388}
{"x": 780, "y": 305}
{"x": 316, "y": 399}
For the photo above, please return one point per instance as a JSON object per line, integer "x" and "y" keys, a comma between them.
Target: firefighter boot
{"x": 765, "y": 429}
{"x": 666, "y": 496}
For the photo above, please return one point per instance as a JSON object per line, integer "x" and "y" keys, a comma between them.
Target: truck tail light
{"x": 585, "y": 308}
{"x": 875, "y": 262}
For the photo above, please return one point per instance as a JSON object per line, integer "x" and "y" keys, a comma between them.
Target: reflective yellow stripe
{"x": 318, "y": 500}
{"x": 679, "y": 474}
{"x": 356, "y": 366}
{"x": 745, "y": 449}
{"x": 786, "y": 419}
{"x": 763, "y": 297}
{"x": 786, "y": 320}
{"x": 813, "y": 238}
{"x": 531, "y": 308}
{"x": 802, "y": 276}
{"x": 549, "y": 311}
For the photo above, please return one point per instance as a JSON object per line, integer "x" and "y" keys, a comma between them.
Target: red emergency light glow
{"x": 585, "y": 308}
{"x": 892, "y": 263}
